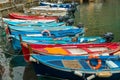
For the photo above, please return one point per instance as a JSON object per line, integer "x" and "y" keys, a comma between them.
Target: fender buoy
{"x": 46, "y": 31}
{"x": 7, "y": 30}
{"x": 95, "y": 67}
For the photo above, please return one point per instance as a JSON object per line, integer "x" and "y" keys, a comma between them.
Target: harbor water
{"x": 98, "y": 18}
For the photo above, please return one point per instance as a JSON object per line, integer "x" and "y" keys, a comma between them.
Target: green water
{"x": 98, "y": 17}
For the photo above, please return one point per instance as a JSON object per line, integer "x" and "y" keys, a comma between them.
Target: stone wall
{"x": 16, "y": 6}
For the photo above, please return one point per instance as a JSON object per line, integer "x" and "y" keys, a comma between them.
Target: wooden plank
{"x": 73, "y": 64}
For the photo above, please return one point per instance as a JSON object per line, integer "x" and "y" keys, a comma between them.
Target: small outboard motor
{"x": 70, "y": 22}
{"x": 71, "y": 11}
{"x": 73, "y": 4}
{"x": 60, "y": 19}
{"x": 108, "y": 36}
{"x": 66, "y": 17}
{"x": 80, "y": 25}
{"x": 73, "y": 7}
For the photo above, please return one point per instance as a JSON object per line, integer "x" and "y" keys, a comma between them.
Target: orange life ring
{"x": 98, "y": 60}
{"x": 46, "y": 31}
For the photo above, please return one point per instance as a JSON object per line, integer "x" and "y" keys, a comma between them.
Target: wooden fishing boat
{"x": 46, "y": 11}
{"x": 69, "y": 49}
{"x": 15, "y": 40}
{"x": 60, "y": 31}
{"x": 30, "y": 17}
{"x": 78, "y": 67}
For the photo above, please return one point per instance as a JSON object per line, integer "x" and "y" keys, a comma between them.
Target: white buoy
{"x": 90, "y": 77}
{"x": 78, "y": 73}
{"x": 32, "y": 59}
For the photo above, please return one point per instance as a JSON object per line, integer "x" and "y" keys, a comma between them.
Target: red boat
{"x": 30, "y": 17}
{"x": 70, "y": 49}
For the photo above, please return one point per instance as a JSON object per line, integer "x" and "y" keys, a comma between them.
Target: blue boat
{"x": 71, "y": 7}
{"x": 77, "y": 67}
{"x": 61, "y": 5}
{"x": 60, "y": 31}
{"x": 49, "y": 40}
{"x": 28, "y": 23}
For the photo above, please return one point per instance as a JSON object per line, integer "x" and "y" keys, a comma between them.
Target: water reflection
{"x": 100, "y": 17}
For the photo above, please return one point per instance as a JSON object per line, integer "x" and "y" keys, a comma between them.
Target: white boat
{"x": 46, "y": 10}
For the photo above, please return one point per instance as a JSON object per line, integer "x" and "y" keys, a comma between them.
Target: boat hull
{"x": 30, "y": 17}
{"x": 41, "y": 69}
